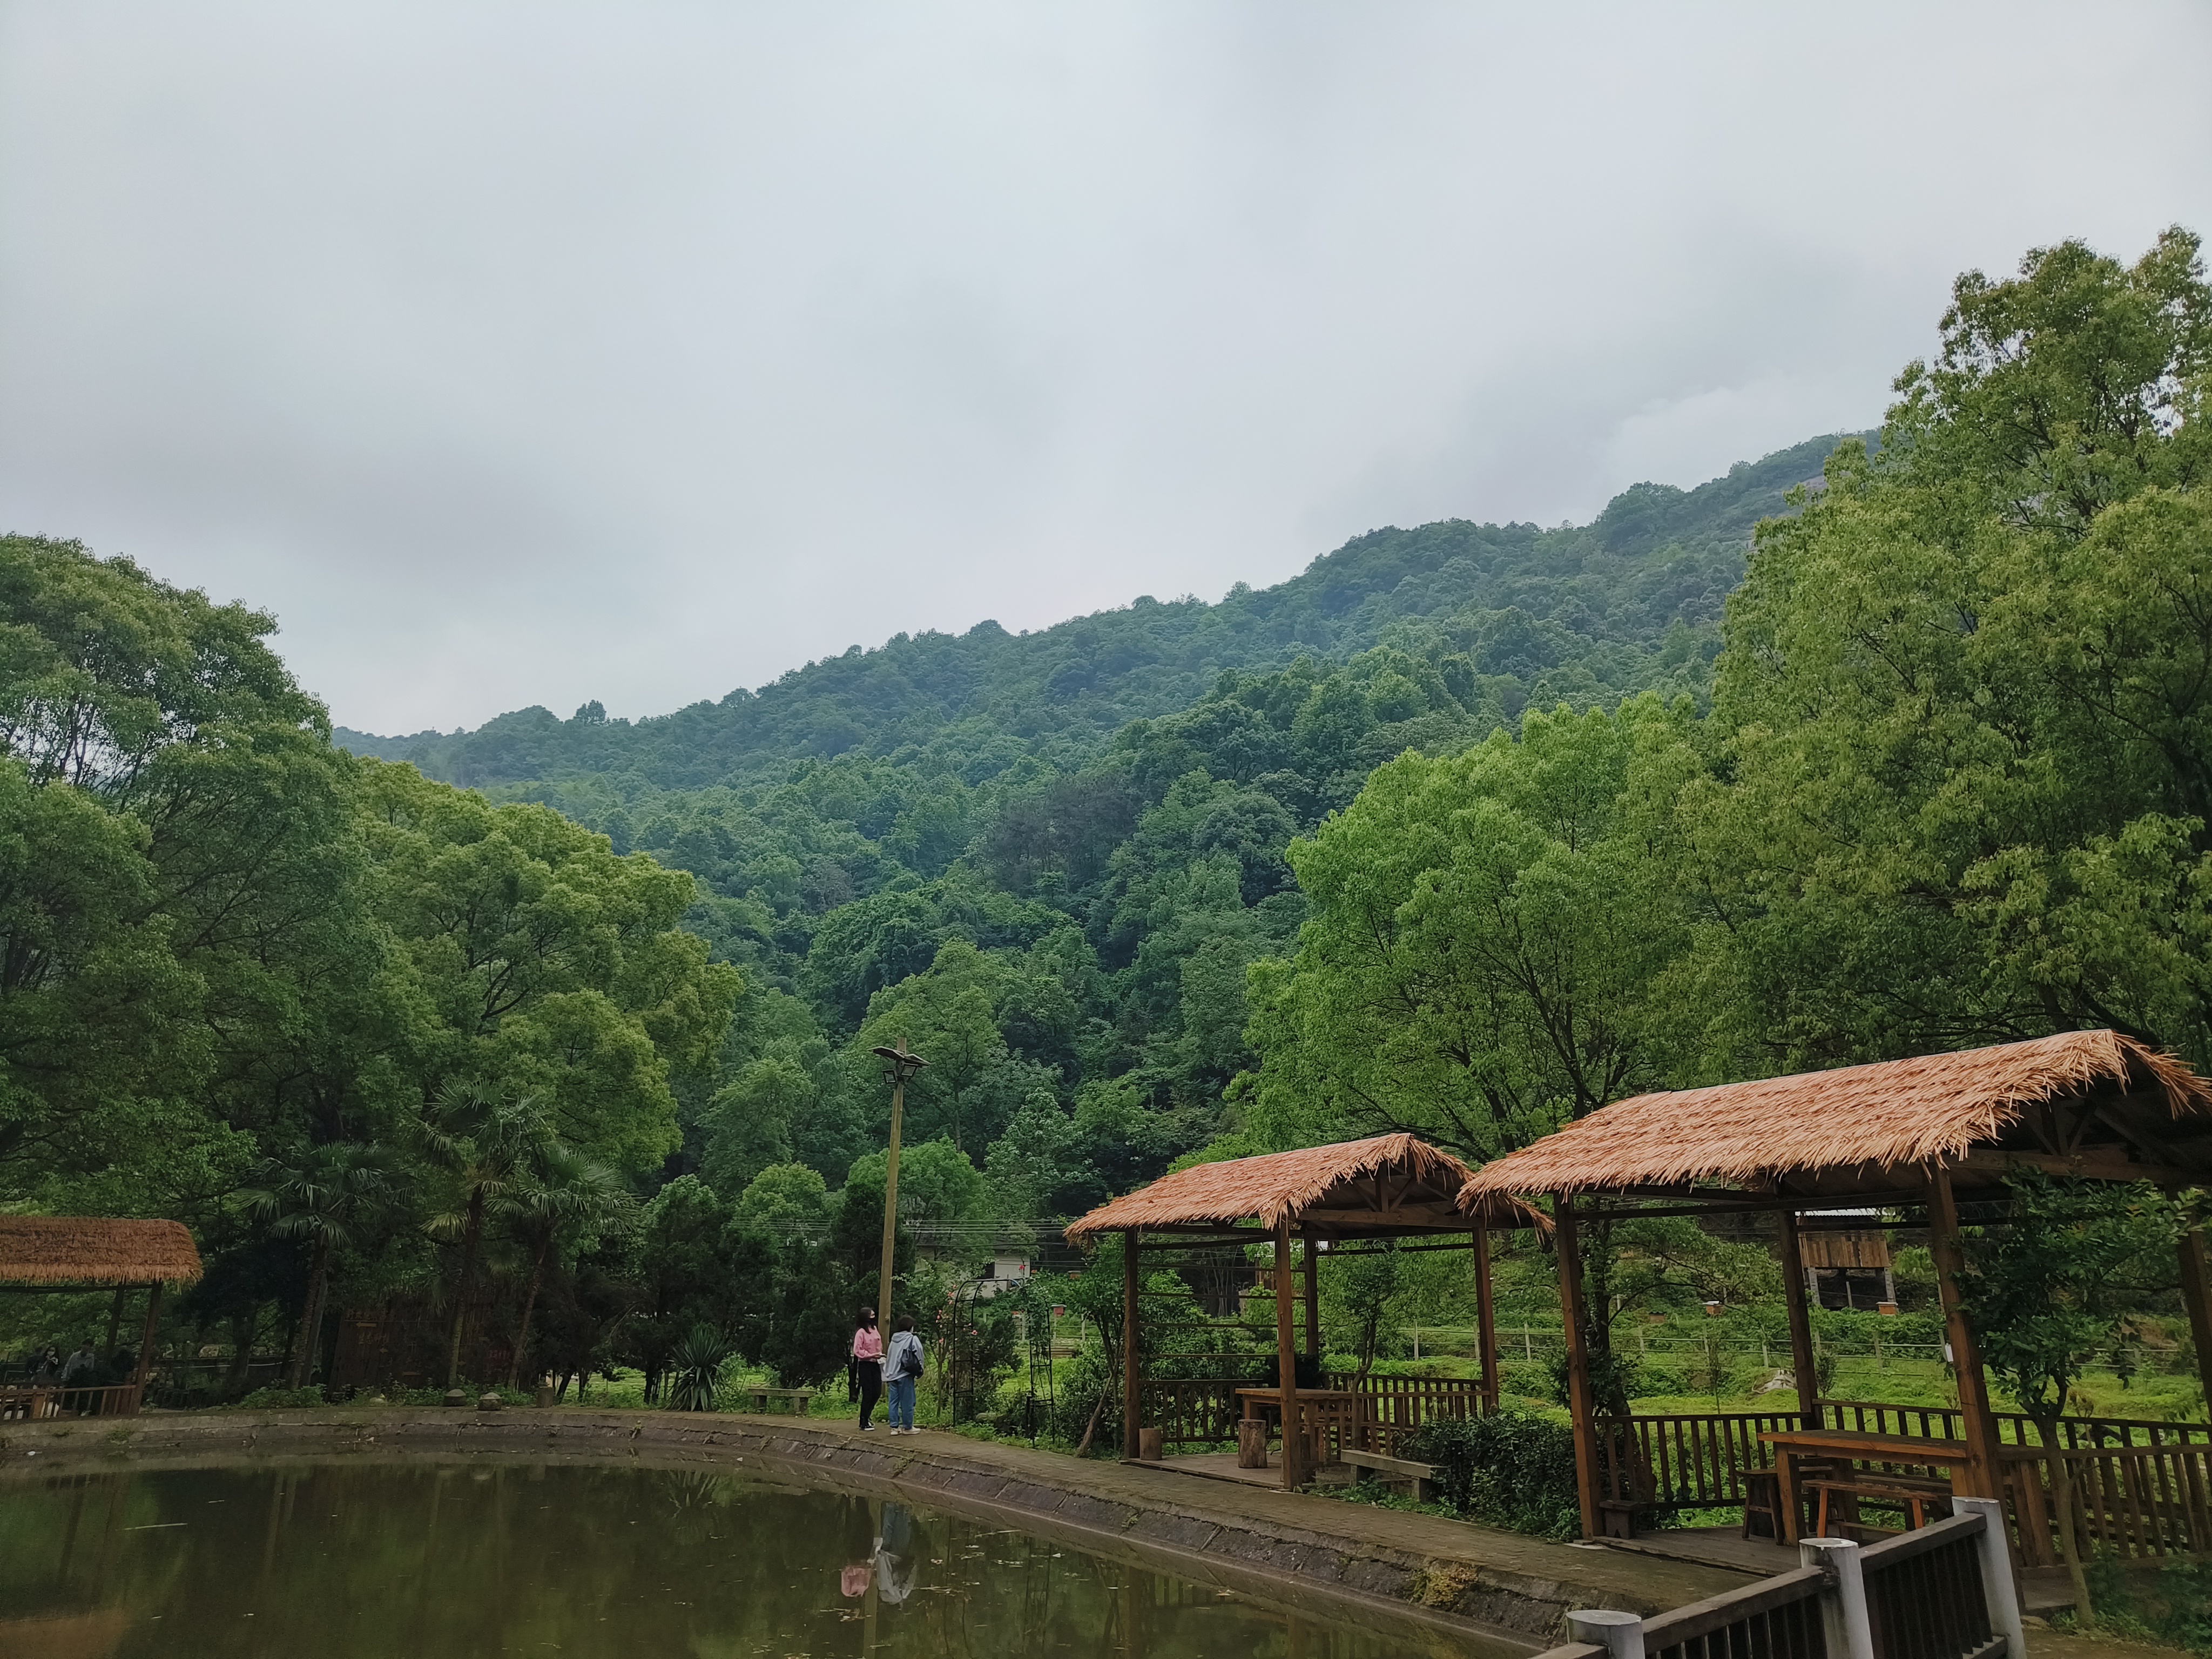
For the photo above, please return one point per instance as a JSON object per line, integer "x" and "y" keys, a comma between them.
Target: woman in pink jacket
{"x": 868, "y": 1363}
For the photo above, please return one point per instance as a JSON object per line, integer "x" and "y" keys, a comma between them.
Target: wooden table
{"x": 1848, "y": 1443}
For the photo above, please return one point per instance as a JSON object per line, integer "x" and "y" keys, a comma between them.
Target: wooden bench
{"x": 796, "y": 1398}
{"x": 1912, "y": 1496}
{"x": 1417, "y": 1478}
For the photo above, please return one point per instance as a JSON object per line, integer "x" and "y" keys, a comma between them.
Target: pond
{"x": 347, "y": 1561}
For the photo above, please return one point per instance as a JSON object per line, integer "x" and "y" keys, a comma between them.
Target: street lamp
{"x": 902, "y": 1065}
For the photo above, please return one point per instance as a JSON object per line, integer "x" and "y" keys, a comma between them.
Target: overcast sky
{"x": 535, "y": 353}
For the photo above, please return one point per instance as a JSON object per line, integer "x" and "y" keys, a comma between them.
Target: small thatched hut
{"x": 62, "y": 1253}
{"x": 72, "y": 1251}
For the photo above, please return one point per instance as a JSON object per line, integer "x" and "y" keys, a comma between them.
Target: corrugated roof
{"x": 1884, "y": 1116}
{"x": 1266, "y": 1189}
{"x": 56, "y": 1250}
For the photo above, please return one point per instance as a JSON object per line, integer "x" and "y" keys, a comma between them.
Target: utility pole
{"x": 902, "y": 1065}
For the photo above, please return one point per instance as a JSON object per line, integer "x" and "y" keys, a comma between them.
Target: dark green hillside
{"x": 1607, "y": 594}
{"x": 1048, "y": 859}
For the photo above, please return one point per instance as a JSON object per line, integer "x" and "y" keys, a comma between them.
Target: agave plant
{"x": 694, "y": 1370}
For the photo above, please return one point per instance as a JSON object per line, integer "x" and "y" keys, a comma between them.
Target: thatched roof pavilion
{"x": 1903, "y": 1134}
{"x": 2094, "y": 1103}
{"x": 1387, "y": 1187}
{"x": 63, "y": 1252}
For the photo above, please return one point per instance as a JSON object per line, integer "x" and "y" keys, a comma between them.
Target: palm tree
{"x": 321, "y": 1196}
{"x": 565, "y": 1191}
{"x": 492, "y": 1147}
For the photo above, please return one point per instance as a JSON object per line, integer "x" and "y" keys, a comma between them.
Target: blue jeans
{"x": 902, "y": 1393}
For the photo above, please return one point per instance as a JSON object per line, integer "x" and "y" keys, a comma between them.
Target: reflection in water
{"x": 353, "y": 1561}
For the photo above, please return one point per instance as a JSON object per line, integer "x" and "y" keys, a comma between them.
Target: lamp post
{"x": 902, "y": 1065}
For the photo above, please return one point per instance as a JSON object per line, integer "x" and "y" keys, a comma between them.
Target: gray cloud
{"x": 533, "y": 353}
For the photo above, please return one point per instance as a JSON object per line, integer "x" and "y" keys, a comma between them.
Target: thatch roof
{"x": 2090, "y": 1099}
{"x": 1359, "y": 1188}
{"x": 58, "y": 1250}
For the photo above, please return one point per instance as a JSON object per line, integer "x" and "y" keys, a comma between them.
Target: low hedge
{"x": 1513, "y": 1468}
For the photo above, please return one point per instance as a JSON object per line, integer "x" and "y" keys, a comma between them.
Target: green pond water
{"x": 347, "y": 1561}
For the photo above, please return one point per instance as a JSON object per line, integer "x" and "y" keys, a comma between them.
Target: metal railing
{"x": 1944, "y": 1592}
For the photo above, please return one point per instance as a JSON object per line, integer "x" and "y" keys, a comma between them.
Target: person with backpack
{"x": 902, "y": 1368}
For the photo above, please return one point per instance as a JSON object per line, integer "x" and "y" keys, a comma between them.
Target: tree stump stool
{"x": 1251, "y": 1442}
{"x": 1149, "y": 1443}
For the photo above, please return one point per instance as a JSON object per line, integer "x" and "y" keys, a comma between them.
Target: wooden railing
{"x": 1203, "y": 1411}
{"x": 1778, "y": 1617}
{"x": 2144, "y": 1487}
{"x": 1943, "y": 1423}
{"x": 2135, "y": 1502}
{"x": 1924, "y": 1594}
{"x": 1391, "y": 1408}
{"x": 1191, "y": 1411}
{"x": 111, "y": 1399}
{"x": 1690, "y": 1461}
{"x": 1938, "y": 1593}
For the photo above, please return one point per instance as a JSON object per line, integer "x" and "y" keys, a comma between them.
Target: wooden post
{"x": 891, "y": 1208}
{"x": 1286, "y": 1359}
{"x": 1313, "y": 1302}
{"x": 2197, "y": 1296}
{"x": 1978, "y": 1429}
{"x": 1801, "y": 1358}
{"x": 1129, "y": 1344}
{"x": 1485, "y": 1321}
{"x": 114, "y": 1320}
{"x": 146, "y": 1342}
{"x": 1580, "y": 1406}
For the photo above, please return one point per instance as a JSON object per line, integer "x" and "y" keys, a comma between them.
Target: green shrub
{"x": 694, "y": 1370}
{"x": 284, "y": 1399}
{"x": 1513, "y": 1469}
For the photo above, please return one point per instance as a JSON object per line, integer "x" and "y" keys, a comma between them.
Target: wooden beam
{"x": 1286, "y": 1359}
{"x": 1313, "y": 1302}
{"x": 1580, "y": 1406}
{"x": 1485, "y": 1322}
{"x": 1981, "y": 1478}
{"x": 2197, "y": 1296}
{"x": 1803, "y": 1359}
{"x": 146, "y": 1342}
{"x": 1129, "y": 1391}
{"x": 114, "y": 1321}
{"x": 2095, "y": 1164}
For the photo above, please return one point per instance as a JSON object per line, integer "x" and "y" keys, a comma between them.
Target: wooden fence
{"x": 1688, "y": 1462}
{"x": 1938, "y": 1593}
{"x": 111, "y": 1399}
{"x": 1204, "y": 1410}
{"x": 2145, "y": 1487}
{"x": 1924, "y": 1594}
{"x": 1391, "y": 1408}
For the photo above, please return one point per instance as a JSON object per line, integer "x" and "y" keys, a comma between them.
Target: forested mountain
{"x": 1048, "y": 859}
{"x": 1467, "y": 830}
{"x": 1599, "y": 602}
